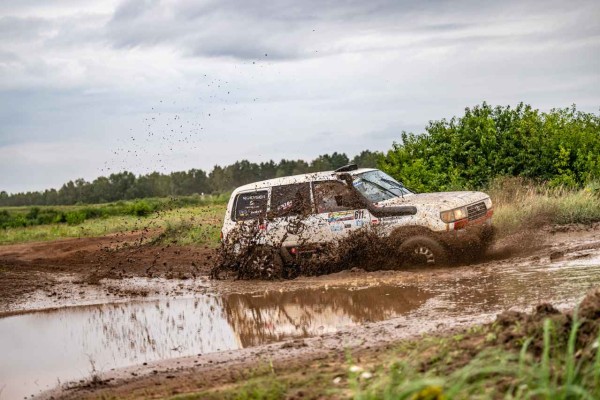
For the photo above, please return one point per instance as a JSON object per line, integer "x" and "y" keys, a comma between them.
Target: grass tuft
{"x": 520, "y": 204}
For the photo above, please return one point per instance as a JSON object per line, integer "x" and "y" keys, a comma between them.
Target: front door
{"x": 338, "y": 210}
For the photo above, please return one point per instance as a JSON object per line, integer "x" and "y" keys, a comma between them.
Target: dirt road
{"x": 53, "y": 274}
{"x": 245, "y": 322}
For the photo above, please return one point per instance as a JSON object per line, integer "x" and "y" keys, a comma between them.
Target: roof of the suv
{"x": 288, "y": 180}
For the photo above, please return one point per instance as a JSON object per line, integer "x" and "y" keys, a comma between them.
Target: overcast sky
{"x": 93, "y": 87}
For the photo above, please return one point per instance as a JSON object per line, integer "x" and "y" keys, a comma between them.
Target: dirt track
{"x": 520, "y": 272}
{"x": 30, "y": 268}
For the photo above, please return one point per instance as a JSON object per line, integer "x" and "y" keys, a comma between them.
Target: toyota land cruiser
{"x": 295, "y": 214}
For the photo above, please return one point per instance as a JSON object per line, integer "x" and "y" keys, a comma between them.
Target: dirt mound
{"x": 514, "y": 328}
{"x": 25, "y": 268}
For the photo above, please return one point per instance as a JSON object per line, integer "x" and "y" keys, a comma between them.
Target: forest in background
{"x": 127, "y": 186}
{"x": 559, "y": 148}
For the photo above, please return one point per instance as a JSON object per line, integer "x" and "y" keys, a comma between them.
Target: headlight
{"x": 453, "y": 215}
{"x": 488, "y": 203}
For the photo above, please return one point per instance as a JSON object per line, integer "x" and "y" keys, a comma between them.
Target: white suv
{"x": 294, "y": 215}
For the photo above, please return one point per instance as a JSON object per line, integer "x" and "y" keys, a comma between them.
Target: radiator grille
{"x": 476, "y": 211}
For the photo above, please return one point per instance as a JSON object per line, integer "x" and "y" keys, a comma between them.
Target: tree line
{"x": 221, "y": 179}
{"x": 560, "y": 147}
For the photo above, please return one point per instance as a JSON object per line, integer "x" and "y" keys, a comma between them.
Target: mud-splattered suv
{"x": 295, "y": 215}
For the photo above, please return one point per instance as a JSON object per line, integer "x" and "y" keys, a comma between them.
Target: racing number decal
{"x": 359, "y": 214}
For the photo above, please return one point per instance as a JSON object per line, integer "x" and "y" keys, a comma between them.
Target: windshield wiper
{"x": 381, "y": 187}
{"x": 397, "y": 184}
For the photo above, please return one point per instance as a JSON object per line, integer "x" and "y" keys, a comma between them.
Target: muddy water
{"x": 41, "y": 349}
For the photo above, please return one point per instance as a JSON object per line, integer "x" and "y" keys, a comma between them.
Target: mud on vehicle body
{"x": 293, "y": 218}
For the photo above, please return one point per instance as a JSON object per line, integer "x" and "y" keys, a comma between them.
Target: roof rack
{"x": 347, "y": 167}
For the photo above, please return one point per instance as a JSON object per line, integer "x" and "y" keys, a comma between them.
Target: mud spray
{"x": 366, "y": 249}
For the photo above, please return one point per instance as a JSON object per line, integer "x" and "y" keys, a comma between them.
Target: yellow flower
{"x": 430, "y": 393}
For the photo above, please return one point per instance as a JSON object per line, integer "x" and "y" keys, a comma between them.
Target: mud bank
{"x": 64, "y": 270}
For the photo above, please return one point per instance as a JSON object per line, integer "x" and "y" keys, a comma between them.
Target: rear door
{"x": 338, "y": 210}
{"x": 291, "y": 205}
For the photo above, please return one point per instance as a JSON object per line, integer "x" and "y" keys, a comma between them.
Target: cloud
{"x": 176, "y": 84}
{"x": 284, "y": 30}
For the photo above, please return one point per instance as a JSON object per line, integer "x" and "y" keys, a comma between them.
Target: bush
{"x": 75, "y": 217}
{"x": 561, "y": 147}
{"x": 141, "y": 208}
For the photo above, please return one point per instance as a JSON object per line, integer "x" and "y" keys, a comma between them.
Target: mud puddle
{"x": 43, "y": 349}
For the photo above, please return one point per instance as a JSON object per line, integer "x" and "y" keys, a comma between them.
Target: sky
{"x": 88, "y": 88}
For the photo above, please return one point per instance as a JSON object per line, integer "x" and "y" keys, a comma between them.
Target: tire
{"x": 422, "y": 250}
{"x": 264, "y": 262}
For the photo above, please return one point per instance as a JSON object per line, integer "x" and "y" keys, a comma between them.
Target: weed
{"x": 520, "y": 204}
{"x": 188, "y": 225}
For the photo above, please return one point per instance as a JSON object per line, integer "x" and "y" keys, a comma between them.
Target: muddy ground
{"x": 122, "y": 268}
{"x": 35, "y": 269}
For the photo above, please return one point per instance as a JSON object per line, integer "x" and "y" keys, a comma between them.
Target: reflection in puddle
{"x": 273, "y": 316}
{"x": 38, "y": 349}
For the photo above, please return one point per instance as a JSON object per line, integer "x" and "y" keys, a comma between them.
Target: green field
{"x": 187, "y": 225}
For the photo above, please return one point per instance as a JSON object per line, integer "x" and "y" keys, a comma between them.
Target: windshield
{"x": 378, "y": 186}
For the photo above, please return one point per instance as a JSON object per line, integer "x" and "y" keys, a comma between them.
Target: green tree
{"x": 368, "y": 159}
{"x": 561, "y": 146}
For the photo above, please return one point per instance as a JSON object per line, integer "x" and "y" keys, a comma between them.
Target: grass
{"x": 264, "y": 389}
{"x": 195, "y": 225}
{"x": 519, "y": 204}
{"x": 549, "y": 361}
{"x": 16, "y": 217}
{"x": 494, "y": 373}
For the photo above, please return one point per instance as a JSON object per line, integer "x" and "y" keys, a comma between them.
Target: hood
{"x": 442, "y": 200}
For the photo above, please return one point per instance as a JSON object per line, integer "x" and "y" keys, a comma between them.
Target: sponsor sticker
{"x": 390, "y": 220}
{"x": 339, "y": 216}
{"x": 336, "y": 227}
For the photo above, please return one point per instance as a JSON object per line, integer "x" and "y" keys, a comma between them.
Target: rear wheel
{"x": 263, "y": 262}
{"x": 422, "y": 250}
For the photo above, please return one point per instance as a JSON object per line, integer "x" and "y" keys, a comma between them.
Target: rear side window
{"x": 289, "y": 200}
{"x": 251, "y": 205}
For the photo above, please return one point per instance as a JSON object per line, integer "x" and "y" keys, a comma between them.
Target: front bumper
{"x": 473, "y": 236}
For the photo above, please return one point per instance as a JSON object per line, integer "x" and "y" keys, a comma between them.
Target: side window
{"x": 251, "y": 205}
{"x": 334, "y": 196}
{"x": 288, "y": 200}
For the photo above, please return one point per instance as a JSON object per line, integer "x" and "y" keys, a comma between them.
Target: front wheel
{"x": 422, "y": 250}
